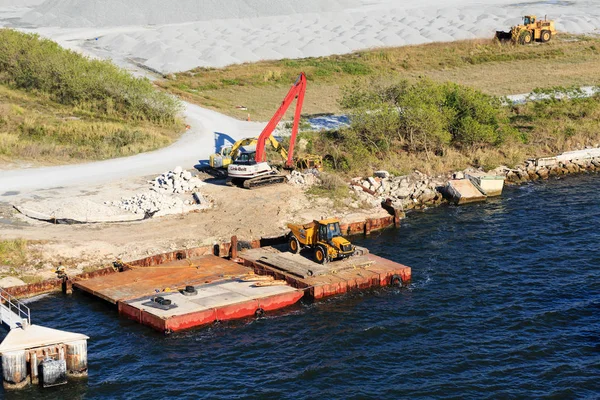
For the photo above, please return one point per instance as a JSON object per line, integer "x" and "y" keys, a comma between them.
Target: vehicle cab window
{"x": 245, "y": 158}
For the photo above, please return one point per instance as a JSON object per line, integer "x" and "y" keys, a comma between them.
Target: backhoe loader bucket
{"x": 503, "y": 36}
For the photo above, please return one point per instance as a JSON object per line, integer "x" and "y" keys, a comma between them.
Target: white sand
{"x": 20, "y": 3}
{"x": 177, "y": 35}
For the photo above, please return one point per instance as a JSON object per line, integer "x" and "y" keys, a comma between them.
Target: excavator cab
{"x": 247, "y": 155}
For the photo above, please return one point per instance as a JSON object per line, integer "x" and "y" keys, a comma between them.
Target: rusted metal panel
{"x": 143, "y": 281}
{"x": 153, "y": 321}
{"x": 192, "y": 320}
{"x": 237, "y": 311}
{"x": 280, "y": 301}
{"x": 34, "y": 289}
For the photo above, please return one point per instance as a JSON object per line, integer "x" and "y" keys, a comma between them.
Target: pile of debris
{"x": 309, "y": 178}
{"x": 152, "y": 204}
{"x": 176, "y": 181}
{"x": 164, "y": 195}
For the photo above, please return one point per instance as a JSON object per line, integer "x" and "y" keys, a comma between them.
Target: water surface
{"x": 504, "y": 303}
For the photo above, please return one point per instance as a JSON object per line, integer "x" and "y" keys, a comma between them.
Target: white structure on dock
{"x": 36, "y": 354}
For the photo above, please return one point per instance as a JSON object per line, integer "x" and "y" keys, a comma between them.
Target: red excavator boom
{"x": 297, "y": 91}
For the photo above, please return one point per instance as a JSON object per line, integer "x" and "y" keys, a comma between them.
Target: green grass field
{"x": 482, "y": 64}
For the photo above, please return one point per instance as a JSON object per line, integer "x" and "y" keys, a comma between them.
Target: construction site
{"x": 195, "y": 189}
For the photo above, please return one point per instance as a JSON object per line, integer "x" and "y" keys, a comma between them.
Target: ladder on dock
{"x": 13, "y": 313}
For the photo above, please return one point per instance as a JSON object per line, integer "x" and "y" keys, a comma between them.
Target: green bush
{"x": 425, "y": 116}
{"x": 39, "y": 65}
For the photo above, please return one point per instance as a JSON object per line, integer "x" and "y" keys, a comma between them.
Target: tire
{"x": 546, "y": 36}
{"x": 525, "y": 37}
{"x": 294, "y": 245}
{"x": 259, "y": 313}
{"x": 320, "y": 255}
{"x": 396, "y": 281}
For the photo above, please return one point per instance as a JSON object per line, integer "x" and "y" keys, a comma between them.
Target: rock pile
{"x": 303, "y": 179}
{"x": 162, "y": 197}
{"x": 406, "y": 192}
{"x": 149, "y": 203}
{"x": 533, "y": 170}
{"x": 176, "y": 181}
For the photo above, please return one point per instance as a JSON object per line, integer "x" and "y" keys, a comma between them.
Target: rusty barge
{"x": 173, "y": 292}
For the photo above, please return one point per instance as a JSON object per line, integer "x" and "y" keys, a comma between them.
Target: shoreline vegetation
{"x": 58, "y": 106}
{"x": 435, "y": 108}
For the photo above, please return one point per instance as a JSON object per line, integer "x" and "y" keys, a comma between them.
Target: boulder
{"x": 381, "y": 174}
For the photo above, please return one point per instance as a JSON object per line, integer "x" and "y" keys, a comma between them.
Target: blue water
{"x": 504, "y": 303}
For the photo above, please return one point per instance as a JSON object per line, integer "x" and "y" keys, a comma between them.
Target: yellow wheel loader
{"x": 324, "y": 237}
{"x": 531, "y": 30}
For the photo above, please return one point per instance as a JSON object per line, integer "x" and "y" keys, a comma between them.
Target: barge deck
{"x": 190, "y": 292}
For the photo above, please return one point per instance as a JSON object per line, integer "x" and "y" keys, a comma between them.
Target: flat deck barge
{"x": 189, "y": 292}
{"x": 324, "y": 280}
{"x": 197, "y": 291}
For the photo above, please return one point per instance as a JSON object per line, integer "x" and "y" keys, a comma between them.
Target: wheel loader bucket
{"x": 503, "y": 36}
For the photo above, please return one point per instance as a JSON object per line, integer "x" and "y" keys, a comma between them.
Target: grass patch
{"x": 34, "y": 127}
{"x": 333, "y": 187}
{"x": 493, "y": 68}
{"x": 13, "y": 253}
{"x": 38, "y": 65}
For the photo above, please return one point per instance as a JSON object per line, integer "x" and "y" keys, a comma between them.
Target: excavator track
{"x": 264, "y": 180}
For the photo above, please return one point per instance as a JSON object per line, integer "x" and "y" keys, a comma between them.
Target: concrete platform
{"x": 222, "y": 294}
{"x": 489, "y": 185}
{"x": 319, "y": 281}
{"x": 463, "y": 191}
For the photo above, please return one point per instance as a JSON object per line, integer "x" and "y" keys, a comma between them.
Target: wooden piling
{"x": 14, "y": 370}
{"x": 77, "y": 361}
{"x": 234, "y": 247}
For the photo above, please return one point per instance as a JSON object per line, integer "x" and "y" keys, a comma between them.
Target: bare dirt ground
{"x": 249, "y": 214}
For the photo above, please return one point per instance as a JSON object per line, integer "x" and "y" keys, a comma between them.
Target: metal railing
{"x": 17, "y": 313}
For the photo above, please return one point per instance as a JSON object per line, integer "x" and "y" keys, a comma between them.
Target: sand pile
{"x": 73, "y": 210}
{"x": 20, "y": 3}
{"x": 178, "y": 35}
{"x": 218, "y": 43}
{"x": 102, "y": 13}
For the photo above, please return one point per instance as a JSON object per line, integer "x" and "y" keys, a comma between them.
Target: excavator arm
{"x": 296, "y": 92}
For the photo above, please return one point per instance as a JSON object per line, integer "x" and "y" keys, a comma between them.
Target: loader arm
{"x": 297, "y": 91}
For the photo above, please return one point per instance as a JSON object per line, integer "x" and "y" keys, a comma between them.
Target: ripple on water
{"x": 504, "y": 302}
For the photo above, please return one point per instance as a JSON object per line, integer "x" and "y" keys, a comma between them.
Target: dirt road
{"x": 194, "y": 146}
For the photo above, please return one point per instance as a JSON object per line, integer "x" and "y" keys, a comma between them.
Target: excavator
{"x": 249, "y": 167}
{"x": 227, "y": 154}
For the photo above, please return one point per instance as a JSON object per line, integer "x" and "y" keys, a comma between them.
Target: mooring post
{"x": 33, "y": 367}
{"x": 67, "y": 286}
{"x": 77, "y": 362}
{"x": 396, "y": 218}
{"x": 367, "y": 226}
{"x": 14, "y": 370}
{"x": 234, "y": 247}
